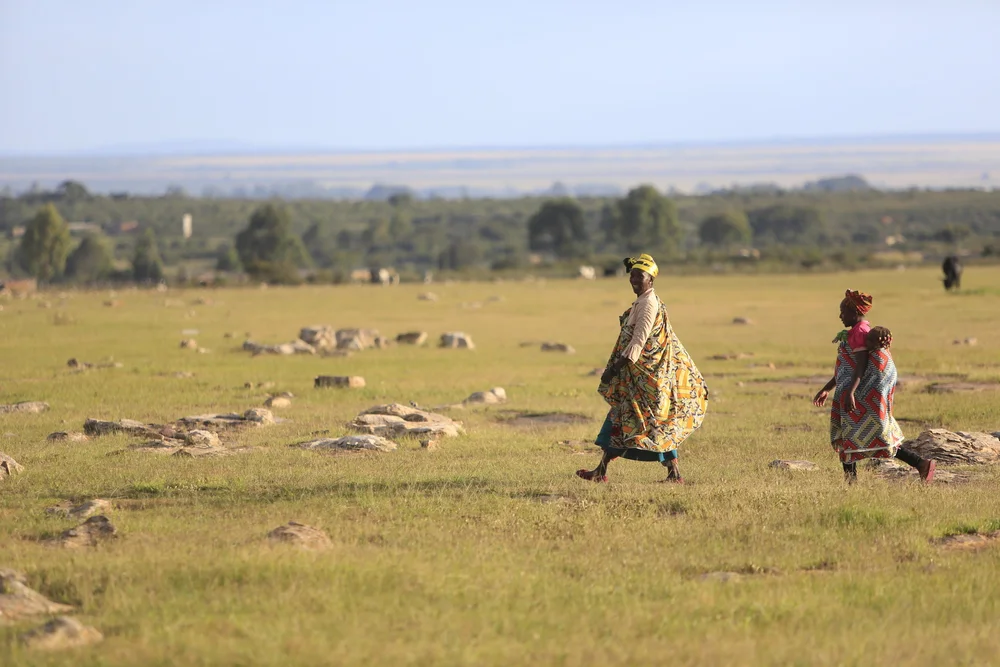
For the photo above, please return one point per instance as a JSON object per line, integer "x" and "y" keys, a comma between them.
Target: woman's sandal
{"x": 589, "y": 475}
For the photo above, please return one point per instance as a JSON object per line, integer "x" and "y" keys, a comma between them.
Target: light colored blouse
{"x": 641, "y": 318}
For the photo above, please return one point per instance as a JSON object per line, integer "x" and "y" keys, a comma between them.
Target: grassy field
{"x": 489, "y": 550}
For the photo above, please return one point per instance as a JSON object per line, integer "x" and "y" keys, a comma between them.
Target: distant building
{"x": 84, "y": 228}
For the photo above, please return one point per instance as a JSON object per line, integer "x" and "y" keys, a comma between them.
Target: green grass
{"x": 490, "y": 550}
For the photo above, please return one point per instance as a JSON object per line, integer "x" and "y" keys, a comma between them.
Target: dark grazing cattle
{"x": 952, "y": 268}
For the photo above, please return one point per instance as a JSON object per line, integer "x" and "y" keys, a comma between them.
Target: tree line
{"x": 287, "y": 241}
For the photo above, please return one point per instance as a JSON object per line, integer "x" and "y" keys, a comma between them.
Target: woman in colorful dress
{"x": 657, "y": 396}
{"x": 864, "y": 381}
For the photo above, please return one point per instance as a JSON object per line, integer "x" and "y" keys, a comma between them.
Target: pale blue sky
{"x": 377, "y": 74}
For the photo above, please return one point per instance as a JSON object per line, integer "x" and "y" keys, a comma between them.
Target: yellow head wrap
{"x": 644, "y": 263}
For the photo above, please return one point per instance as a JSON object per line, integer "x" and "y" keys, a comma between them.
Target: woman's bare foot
{"x": 591, "y": 475}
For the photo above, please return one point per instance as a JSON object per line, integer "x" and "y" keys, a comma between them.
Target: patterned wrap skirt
{"x": 870, "y": 431}
{"x": 657, "y": 402}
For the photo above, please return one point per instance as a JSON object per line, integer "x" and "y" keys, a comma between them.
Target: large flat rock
{"x": 956, "y": 448}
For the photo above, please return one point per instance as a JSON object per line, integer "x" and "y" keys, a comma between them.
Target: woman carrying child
{"x": 864, "y": 380}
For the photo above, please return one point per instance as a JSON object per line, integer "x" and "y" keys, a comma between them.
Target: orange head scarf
{"x": 859, "y": 300}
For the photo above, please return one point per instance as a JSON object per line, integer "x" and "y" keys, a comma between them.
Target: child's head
{"x": 879, "y": 338}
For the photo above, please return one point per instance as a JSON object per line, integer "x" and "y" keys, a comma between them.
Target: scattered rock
{"x": 494, "y": 396}
{"x": 430, "y": 445}
{"x": 729, "y": 357}
{"x": 90, "y": 533}
{"x": 224, "y": 421}
{"x": 62, "y": 632}
{"x": 412, "y": 338}
{"x": 342, "y": 381}
{"x": 83, "y": 510}
{"x": 742, "y": 320}
{"x": 259, "y": 416}
{"x": 299, "y": 534}
{"x": 8, "y": 466}
{"x": 969, "y": 541}
{"x": 286, "y": 349}
{"x": 395, "y": 419}
{"x": 964, "y": 341}
{"x": 30, "y": 407}
{"x": 181, "y": 375}
{"x": 369, "y": 442}
{"x": 67, "y": 436}
{"x": 558, "y": 347}
{"x": 201, "y": 438}
{"x": 427, "y": 296}
{"x": 189, "y": 344}
{"x": 947, "y": 447}
{"x": 277, "y": 402}
{"x": 356, "y": 339}
{"x": 793, "y": 465}
{"x": 320, "y": 336}
{"x": 18, "y": 600}
{"x": 456, "y": 339}
{"x": 594, "y": 372}
{"x": 229, "y": 334}
{"x": 97, "y": 427}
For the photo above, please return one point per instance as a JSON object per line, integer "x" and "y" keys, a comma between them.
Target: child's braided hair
{"x": 879, "y": 338}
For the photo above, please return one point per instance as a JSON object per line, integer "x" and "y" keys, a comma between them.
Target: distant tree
{"x": 91, "y": 261}
{"x": 45, "y": 244}
{"x": 147, "y": 267}
{"x": 72, "y": 190}
{"x": 400, "y": 225}
{"x": 376, "y": 234}
{"x": 559, "y": 227}
{"x": 725, "y": 229}
{"x": 227, "y": 259}
{"x": 786, "y": 224}
{"x": 401, "y": 198}
{"x": 952, "y": 233}
{"x": 268, "y": 248}
{"x": 643, "y": 221}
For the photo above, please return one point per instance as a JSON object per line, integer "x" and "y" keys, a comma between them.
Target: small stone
{"x": 228, "y": 334}
{"x": 492, "y": 397}
{"x": 67, "y": 436}
{"x": 8, "y": 466}
{"x": 29, "y": 407}
{"x": 793, "y": 465}
{"x": 112, "y": 303}
{"x": 342, "y": 381}
{"x": 62, "y": 632}
{"x": 429, "y": 445}
{"x": 721, "y": 577}
{"x": 90, "y": 533}
{"x": 277, "y": 402}
{"x": 412, "y": 338}
{"x": 130, "y": 426}
{"x": 742, "y": 320}
{"x": 965, "y": 341}
{"x": 456, "y": 339}
{"x": 299, "y": 534}
{"x": 189, "y": 344}
{"x": 427, "y": 296}
{"x": 558, "y": 347}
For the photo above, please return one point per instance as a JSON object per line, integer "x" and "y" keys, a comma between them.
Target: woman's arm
{"x": 819, "y": 400}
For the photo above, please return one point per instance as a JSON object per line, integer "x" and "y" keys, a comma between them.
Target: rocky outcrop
{"x": 90, "y": 533}
{"x": 395, "y": 420}
{"x": 957, "y": 448}
{"x": 18, "y": 600}
{"x": 368, "y": 442}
